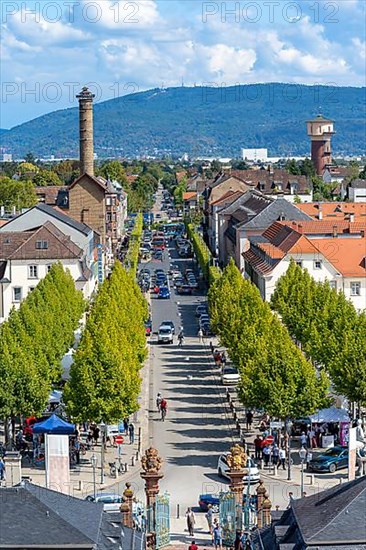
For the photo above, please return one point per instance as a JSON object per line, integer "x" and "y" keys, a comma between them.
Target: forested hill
{"x": 201, "y": 121}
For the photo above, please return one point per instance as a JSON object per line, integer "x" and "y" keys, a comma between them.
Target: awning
{"x": 330, "y": 415}
{"x": 54, "y": 425}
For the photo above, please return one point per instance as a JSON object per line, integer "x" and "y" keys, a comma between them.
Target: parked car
{"x": 330, "y": 460}
{"x": 253, "y": 472}
{"x": 168, "y": 324}
{"x": 230, "y": 376}
{"x": 111, "y": 502}
{"x": 206, "y": 499}
{"x": 158, "y": 255}
{"x": 164, "y": 292}
{"x": 201, "y": 309}
{"x": 165, "y": 335}
{"x": 184, "y": 289}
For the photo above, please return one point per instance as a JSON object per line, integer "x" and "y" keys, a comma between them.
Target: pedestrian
{"x": 275, "y": 454}
{"x": 238, "y": 544}
{"x": 309, "y": 458}
{"x": 266, "y": 453}
{"x": 200, "y": 335}
{"x": 249, "y": 417}
{"x": 125, "y": 425}
{"x": 190, "y": 521}
{"x": 290, "y": 499}
{"x": 131, "y": 433}
{"x": 223, "y": 359}
{"x": 2, "y": 470}
{"x": 209, "y": 518}
{"x": 258, "y": 446}
{"x": 96, "y": 432}
{"x": 282, "y": 457}
{"x": 303, "y": 440}
{"x": 217, "y": 537}
{"x": 311, "y": 437}
{"x": 193, "y": 546}
{"x": 77, "y": 450}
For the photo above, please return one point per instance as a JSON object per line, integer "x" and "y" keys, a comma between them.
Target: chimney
{"x": 320, "y": 215}
{"x": 335, "y": 231}
{"x": 352, "y": 217}
{"x": 85, "y": 98}
{"x": 13, "y": 468}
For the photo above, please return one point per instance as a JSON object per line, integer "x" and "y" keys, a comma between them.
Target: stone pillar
{"x": 261, "y": 491}
{"x": 151, "y": 465}
{"x": 85, "y": 98}
{"x": 13, "y": 468}
{"x": 127, "y": 507}
{"x": 266, "y": 506}
{"x": 237, "y": 461}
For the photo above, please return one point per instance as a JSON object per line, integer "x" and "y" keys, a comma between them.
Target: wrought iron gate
{"x": 230, "y": 517}
{"x": 158, "y": 521}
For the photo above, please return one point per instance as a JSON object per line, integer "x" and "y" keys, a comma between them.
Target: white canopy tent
{"x": 329, "y": 415}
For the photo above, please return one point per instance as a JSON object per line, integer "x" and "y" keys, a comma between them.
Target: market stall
{"x": 330, "y": 426}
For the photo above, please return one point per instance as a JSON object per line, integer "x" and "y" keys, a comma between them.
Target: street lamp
{"x": 102, "y": 429}
{"x": 302, "y": 455}
{"x": 94, "y": 460}
{"x": 288, "y": 427}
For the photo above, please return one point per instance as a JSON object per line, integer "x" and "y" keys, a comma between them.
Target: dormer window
{"x": 41, "y": 245}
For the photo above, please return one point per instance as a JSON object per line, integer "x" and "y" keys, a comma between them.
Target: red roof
{"x": 189, "y": 195}
{"x": 334, "y": 210}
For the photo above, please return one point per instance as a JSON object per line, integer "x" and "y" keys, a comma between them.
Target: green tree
{"x": 17, "y": 194}
{"x": 114, "y": 170}
{"x": 27, "y": 167}
{"x": 46, "y": 177}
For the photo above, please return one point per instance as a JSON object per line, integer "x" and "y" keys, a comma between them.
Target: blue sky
{"x": 51, "y": 48}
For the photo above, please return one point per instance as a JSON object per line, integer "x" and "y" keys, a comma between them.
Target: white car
{"x": 253, "y": 472}
{"x": 230, "y": 376}
{"x": 165, "y": 335}
{"x": 111, "y": 501}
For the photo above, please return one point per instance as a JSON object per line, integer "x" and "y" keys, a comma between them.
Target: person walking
{"x": 77, "y": 450}
{"x": 282, "y": 457}
{"x": 96, "y": 432}
{"x": 275, "y": 454}
{"x": 191, "y": 520}
{"x": 266, "y": 455}
{"x": 131, "y": 433}
{"x": 303, "y": 440}
{"x": 193, "y": 546}
{"x": 217, "y": 536}
{"x": 309, "y": 458}
{"x": 2, "y": 470}
{"x": 163, "y": 409}
{"x": 258, "y": 446}
{"x": 209, "y": 518}
{"x": 249, "y": 418}
{"x": 200, "y": 335}
{"x": 238, "y": 543}
{"x": 125, "y": 425}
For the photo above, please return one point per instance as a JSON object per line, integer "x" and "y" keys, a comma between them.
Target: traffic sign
{"x": 277, "y": 424}
{"x": 118, "y": 439}
{"x": 269, "y": 440}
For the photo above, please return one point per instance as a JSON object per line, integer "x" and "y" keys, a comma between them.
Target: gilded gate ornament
{"x": 151, "y": 461}
{"x": 237, "y": 458}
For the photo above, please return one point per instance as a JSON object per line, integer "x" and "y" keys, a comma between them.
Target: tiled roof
{"x": 272, "y": 251}
{"x": 257, "y": 262}
{"x": 229, "y": 196}
{"x": 333, "y": 210}
{"x": 189, "y": 195}
{"x": 21, "y": 245}
{"x": 348, "y": 256}
{"x": 326, "y": 226}
{"x": 49, "y": 193}
{"x": 358, "y": 184}
{"x": 82, "y": 227}
{"x": 101, "y": 182}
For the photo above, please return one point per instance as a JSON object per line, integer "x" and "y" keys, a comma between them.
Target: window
{"x": 17, "y": 294}
{"x": 41, "y": 245}
{"x": 33, "y": 272}
{"x": 333, "y": 284}
{"x": 355, "y": 289}
{"x": 31, "y": 288}
{"x": 299, "y": 263}
{"x": 317, "y": 264}
{"x": 48, "y": 268}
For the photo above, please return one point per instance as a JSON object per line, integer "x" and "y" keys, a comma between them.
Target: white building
{"x": 339, "y": 258}
{"x": 255, "y": 155}
{"x": 357, "y": 191}
{"x": 32, "y": 242}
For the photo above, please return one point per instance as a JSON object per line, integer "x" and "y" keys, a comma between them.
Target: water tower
{"x": 320, "y": 130}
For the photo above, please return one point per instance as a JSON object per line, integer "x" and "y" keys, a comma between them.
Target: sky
{"x": 50, "y": 49}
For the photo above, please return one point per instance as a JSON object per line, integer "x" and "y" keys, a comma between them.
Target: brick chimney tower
{"x": 320, "y": 131}
{"x": 85, "y": 98}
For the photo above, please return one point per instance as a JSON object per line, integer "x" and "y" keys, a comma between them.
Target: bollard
{"x": 133, "y": 459}
{"x": 261, "y": 464}
{"x": 275, "y": 470}
{"x": 178, "y": 511}
{"x": 126, "y": 467}
{"x": 139, "y": 434}
{"x": 137, "y": 456}
{"x": 238, "y": 428}
{"x": 228, "y": 395}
